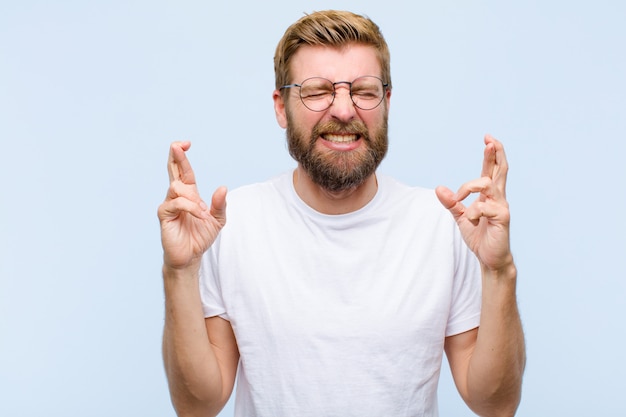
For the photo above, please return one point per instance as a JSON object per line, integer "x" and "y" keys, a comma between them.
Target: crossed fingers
{"x": 484, "y": 223}
{"x": 486, "y": 205}
{"x": 495, "y": 166}
{"x": 185, "y": 198}
{"x": 490, "y": 187}
{"x": 182, "y": 195}
{"x": 178, "y": 166}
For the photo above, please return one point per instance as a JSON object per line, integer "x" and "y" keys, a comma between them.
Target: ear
{"x": 279, "y": 109}
{"x": 388, "y": 97}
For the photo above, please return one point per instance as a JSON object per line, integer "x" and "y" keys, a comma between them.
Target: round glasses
{"x": 318, "y": 94}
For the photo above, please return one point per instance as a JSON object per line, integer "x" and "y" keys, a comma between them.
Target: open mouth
{"x": 345, "y": 138}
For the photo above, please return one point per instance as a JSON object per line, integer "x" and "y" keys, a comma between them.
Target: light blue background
{"x": 92, "y": 93}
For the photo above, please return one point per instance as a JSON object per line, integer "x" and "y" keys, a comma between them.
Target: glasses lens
{"x": 367, "y": 92}
{"x": 316, "y": 93}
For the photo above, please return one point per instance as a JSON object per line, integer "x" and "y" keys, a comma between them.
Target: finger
{"x": 495, "y": 165}
{"x": 172, "y": 167}
{"x": 489, "y": 210}
{"x": 178, "y": 166}
{"x": 481, "y": 185}
{"x": 489, "y": 157}
{"x": 445, "y": 196}
{"x": 218, "y": 204}
{"x": 179, "y": 189}
{"x": 172, "y": 209}
{"x": 449, "y": 201}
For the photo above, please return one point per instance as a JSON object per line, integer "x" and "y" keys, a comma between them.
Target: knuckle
{"x": 161, "y": 211}
{"x": 175, "y": 187}
{"x": 180, "y": 189}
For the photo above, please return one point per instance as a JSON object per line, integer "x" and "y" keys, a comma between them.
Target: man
{"x": 333, "y": 290}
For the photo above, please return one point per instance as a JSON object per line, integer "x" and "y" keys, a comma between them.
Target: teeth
{"x": 340, "y": 138}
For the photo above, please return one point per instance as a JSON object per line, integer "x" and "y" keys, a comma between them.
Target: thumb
{"x": 450, "y": 202}
{"x": 445, "y": 196}
{"x": 218, "y": 205}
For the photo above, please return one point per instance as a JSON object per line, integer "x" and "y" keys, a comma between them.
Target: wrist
{"x": 506, "y": 271}
{"x": 180, "y": 285}
{"x": 190, "y": 271}
{"x": 499, "y": 288}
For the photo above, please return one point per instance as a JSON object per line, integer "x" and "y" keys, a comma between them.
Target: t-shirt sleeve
{"x": 467, "y": 290}
{"x": 210, "y": 288}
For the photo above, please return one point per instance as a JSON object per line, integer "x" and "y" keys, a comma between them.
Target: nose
{"x": 342, "y": 107}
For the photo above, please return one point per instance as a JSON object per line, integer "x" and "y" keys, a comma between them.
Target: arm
{"x": 200, "y": 355}
{"x": 487, "y": 363}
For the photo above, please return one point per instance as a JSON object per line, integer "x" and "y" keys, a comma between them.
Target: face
{"x": 341, "y": 147}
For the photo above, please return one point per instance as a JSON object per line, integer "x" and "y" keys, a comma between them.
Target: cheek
{"x": 304, "y": 120}
{"x": 374, "y": 120}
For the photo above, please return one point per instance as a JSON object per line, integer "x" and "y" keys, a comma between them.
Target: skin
{"x": 344, "y": 64}
{"x": 487, "y": 363}
{"x": 201, "y": 355}
{"x": 335, "y": 148}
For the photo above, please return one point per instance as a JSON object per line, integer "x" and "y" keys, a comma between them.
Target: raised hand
{"x": 188, "y": 225}
{"x": 484, "y": 224}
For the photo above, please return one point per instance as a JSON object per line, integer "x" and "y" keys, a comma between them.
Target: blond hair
{"x": 329, "y": 28}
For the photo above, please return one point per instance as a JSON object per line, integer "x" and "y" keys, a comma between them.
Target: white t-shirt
{"x": 340, "y": 315}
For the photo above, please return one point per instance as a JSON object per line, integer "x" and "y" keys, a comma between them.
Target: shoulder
{"x": 260, "y": 190}
{"x": 416, "y": 208}
{"x": 394, "y": 192}
{"x": 259, "y": 199}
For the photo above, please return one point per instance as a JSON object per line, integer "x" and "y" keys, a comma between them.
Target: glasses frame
{"x": 334, "y": 93}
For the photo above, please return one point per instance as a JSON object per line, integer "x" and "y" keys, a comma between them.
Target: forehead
{"x": 337, "y": 64}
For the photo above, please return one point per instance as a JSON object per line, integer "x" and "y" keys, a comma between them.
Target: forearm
{"x": 191, "y": 366}
{"x": 495, "y": 370}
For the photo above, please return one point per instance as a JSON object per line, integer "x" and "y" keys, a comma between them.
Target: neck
{"x": 333, "y": 202}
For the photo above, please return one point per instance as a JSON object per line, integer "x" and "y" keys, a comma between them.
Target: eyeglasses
{"x": 317, "y": 93}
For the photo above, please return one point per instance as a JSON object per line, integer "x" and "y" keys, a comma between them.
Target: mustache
{"x": 355, "y": 127}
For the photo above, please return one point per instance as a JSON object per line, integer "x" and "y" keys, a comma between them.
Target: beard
{"x": 338, "y": 170}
